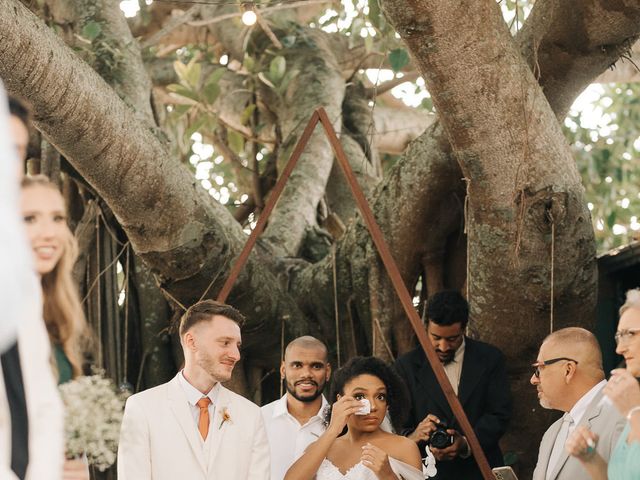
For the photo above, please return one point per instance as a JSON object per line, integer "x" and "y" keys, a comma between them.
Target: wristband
{"x": 632, "y": 411}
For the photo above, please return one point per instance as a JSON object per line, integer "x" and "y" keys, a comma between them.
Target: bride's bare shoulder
{"x": 401, "y": 448}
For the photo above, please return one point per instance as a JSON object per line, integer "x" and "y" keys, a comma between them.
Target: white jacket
{"x": 159, "y": 439}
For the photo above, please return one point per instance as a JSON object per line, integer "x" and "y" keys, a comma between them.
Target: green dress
{"x": 65, "y": 370}
{"x": 624, "y": 463}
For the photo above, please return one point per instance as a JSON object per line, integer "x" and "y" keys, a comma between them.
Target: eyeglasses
{"x": 537, "y": 365}
{"x": 625, "y": 335}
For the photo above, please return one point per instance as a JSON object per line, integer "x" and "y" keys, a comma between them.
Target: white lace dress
{"x": 328, "y": 471}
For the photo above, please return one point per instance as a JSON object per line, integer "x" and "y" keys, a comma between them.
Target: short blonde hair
{"x": 632, "y": 301}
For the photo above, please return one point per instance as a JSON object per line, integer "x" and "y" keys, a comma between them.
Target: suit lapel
{"x": 430, "y": 386}
{"x": 222, "y": 419}
{"x": 545, "y": 448}
{"x": 563, "y": 455}
{"x": 180, "y": 408}
{"x": 472, "y": 370}
{"x": 593, "y": 411}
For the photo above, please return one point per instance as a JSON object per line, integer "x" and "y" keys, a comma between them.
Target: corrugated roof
{"x": 619, "y": 258}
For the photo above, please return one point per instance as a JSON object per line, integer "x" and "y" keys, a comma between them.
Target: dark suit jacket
{"x": 483, "y": 392}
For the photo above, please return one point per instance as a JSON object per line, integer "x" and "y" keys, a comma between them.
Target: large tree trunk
{"x": 526, "y": 208}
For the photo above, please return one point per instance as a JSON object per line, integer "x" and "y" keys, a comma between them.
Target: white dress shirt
{"x": 287, "y": 438}
{"x": 453, "y": 369}
{"x": 194, "y": 395}
{"x": 579, "y": 409}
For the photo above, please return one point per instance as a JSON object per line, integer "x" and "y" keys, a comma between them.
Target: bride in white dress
{"x": 354, "y": 447}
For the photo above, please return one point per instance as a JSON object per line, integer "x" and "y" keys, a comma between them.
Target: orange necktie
{"x": 203, "y": 421}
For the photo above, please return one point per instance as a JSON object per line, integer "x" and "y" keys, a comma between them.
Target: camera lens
{"x": 440, "y": 438}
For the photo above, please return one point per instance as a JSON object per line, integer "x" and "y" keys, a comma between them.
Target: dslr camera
{"x": 439, "y": 438}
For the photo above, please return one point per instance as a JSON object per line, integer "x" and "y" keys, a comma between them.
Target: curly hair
{"x": 448, "y": 307}
{"x": 397, "y": 393}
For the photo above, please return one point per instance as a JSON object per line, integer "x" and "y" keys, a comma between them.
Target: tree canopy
{"x": 169, "y": 128}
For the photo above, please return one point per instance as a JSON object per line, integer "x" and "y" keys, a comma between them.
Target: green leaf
{"x": 192, "y": 75}
{"x": 180, "y": 68}
{"x": 210, "y": 123}
{"x": 246, "y": 113}
{"x": 290, "y": 75}
{"x": 374, "y": 13}
{"x": 182, "y": 91}
{"x": 194, "y": 127}
{"x": 368, "y": 43}
{"x": 611, "y": 219}
{"x": 236, "y": 141}
{"x": 248, "y": 63}
{"x": 91, "y": 30}
{"x": 211, "y": 92}
{"x": 180, "y": 110}
{"x": 277, "y": 68}
{"x": 216, "y": 75}
{"x": 398, "y": 58}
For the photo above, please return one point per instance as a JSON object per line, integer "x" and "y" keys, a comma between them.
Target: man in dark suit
{"x": 477, "y": 374}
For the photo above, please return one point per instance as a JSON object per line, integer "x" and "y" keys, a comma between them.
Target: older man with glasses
{"x": 568, "y": 376}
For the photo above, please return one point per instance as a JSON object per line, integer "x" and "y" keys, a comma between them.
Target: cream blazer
{"x": 44, "y": 407}
{"x": 159, "y": 439}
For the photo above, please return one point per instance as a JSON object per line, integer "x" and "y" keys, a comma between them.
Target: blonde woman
{"x": 623, "y": 390}
{"x": 54, "y": 252}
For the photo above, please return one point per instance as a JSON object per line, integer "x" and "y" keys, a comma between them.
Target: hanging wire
{"x": 97, "y": 282}
{"x": 467, "y": 181}
{"x": 281, "y": 350}
{"x": 126, "y": 317}
{"x": 335, "y": 300}
{"x": 553, "y": 248}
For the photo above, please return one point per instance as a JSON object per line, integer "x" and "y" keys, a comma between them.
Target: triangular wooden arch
{"x": 392, "y": 269}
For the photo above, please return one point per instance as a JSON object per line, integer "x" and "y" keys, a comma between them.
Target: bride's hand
{"x": 341, "y": 411}
{"x": 377, "y": 461}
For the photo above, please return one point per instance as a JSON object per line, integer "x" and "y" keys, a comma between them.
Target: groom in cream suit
{"x": 193, "y": 428}
{"x": 569, "y": 377}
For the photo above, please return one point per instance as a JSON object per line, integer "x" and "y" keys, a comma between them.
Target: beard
{"x": 291, "y": 390}
{"x": 544, "y": 403}
{"x": 446, "y": 357}
{"x": 217, "y": 371}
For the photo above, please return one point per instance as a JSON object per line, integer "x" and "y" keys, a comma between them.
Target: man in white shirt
{"x": 296, "y": 420}
{"x": 569, "y": 377}
{"x": 192, "y": 427}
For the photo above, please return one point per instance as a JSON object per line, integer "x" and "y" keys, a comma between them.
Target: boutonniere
{"x": 225, "y": 417}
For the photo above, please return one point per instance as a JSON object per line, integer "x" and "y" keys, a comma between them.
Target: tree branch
{"x": 195, "y": 239}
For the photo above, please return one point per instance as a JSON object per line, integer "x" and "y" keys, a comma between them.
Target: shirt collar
{"x": 580, "y": 408}
{"x": 193, "y": 394}
{"x": 457, "y": 358}
{"x": 280, "y": 407}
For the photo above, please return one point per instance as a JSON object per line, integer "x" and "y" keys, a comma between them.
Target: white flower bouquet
{"x": 93, "y": 414}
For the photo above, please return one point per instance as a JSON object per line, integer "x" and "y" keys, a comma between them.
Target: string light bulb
{"x": 249, "y": 16}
